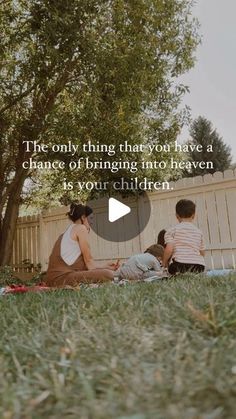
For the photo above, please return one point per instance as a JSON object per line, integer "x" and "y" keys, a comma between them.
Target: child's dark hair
{"x": 78, "y": 210}
{"x": 185, "y": 208}
{"x": 161, "y": 238}
{"x": 156, "y": 250}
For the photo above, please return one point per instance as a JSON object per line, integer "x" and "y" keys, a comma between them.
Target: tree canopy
{"x": 103, "y": 71}
{"x": 214, "y": 149}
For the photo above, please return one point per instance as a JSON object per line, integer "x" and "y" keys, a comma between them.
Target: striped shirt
{"x": 188, "y": 241}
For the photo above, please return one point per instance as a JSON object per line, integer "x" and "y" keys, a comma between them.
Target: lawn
{"x": 165, "y": 350}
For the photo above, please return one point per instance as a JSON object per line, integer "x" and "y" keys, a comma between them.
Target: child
{"x": 161, "y": 238}
{"x": 184, "y": 242}
{"x": 144, "y": 265}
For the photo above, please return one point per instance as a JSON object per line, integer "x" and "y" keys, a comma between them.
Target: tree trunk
{"x": 9, "y": 221}
{"x": 31, "y": 128}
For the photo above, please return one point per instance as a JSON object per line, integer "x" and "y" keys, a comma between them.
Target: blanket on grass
{"x": 22, "y": 288}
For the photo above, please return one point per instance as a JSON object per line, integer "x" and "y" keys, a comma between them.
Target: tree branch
{"x": 17, "y": 99}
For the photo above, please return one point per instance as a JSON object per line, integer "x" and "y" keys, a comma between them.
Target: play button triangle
{"x": 117, "y": 210}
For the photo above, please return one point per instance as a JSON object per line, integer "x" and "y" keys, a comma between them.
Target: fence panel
{"x": 26, "y": 243}
{"x": 215, "y": 197}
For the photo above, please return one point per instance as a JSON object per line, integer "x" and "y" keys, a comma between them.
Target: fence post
{"x": 141, "y": 214}
{"x": 42, "y": 247}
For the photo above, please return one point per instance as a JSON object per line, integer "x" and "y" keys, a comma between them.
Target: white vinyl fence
{"x": 215, "y": 196}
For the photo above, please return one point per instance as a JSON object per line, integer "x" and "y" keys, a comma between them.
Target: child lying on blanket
{"x": 144, "y": 265}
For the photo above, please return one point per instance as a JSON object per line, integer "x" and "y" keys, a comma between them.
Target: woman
{"x": 71, "y": 261}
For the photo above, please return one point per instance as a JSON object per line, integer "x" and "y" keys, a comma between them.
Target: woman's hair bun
{"x": 78, "y": 210}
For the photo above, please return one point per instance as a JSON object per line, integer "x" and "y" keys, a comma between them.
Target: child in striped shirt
{"x": 184, "y": 242}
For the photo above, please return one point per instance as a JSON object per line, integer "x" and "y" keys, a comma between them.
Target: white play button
{"x": 117, "y": 210}
{"x": 118, "y": 219}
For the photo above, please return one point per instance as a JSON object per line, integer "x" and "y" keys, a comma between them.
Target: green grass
{"x": 165, "y": 350}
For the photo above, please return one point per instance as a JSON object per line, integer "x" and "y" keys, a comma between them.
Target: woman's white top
{"x": 70, "y": 249}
